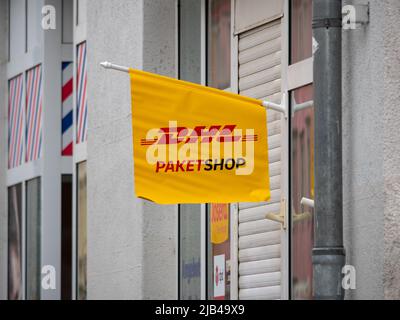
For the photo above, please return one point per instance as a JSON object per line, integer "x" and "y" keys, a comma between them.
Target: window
{"x": 82, "y": 231}
{"x": 15, "y": 122}
{"x": 302, "y": 162}
{"x": 193, "y": 239}
{"x": 190, "y": 219}
{"x": 190, "y": 41}
{"x": 81, "y": 93}
{"x": 15, "y": 242}
{"x": 302, "y": 150}
{"x": 219, "y": 44}
{"x": 190, "y": 252}
{"x": 33, "y": 252}
{"x": 219, "y": 252}
{"x": 219, "y": 76}
{"x": 301, "y": 30}
{"x": 66, "y": 237}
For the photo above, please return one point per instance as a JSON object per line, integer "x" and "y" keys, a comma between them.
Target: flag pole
{"x": 109, "y": 65}
{"x": 267, "y": 104}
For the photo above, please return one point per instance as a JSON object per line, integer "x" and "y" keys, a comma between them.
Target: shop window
{"x": 15, "y": 122}
{"x": 66, "y": 237}
{"x": 33, "y": 243}
{"x": 301, "y": 30}
{"x": 82, "y": 231}
{"x": 219, "y": 277}
{"x": 81, "y": 93}
{"x": 190, "y": 220}
{"x": 190, "y": 252}
{"x": 15, "y": 242}
{"x": 190, "y": 41}
{"x": 302, "y": 168}
{"x": 219, "y": 44}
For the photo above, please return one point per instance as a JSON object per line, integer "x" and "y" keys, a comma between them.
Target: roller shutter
{"x": 260, "y": 239}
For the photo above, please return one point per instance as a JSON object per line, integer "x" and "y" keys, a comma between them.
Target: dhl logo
{"x": 200, "y": 134}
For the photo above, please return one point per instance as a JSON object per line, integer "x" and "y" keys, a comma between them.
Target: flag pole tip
{"x": 105, "y": 64}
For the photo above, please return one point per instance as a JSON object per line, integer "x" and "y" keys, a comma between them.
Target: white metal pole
{"x": 267, "y": 104}
{"x": 109, "y": 65}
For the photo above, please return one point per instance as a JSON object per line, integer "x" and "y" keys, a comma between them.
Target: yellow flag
{"x": 194, "y": 144}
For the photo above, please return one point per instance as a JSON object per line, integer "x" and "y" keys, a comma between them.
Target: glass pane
{"x": 15, "y": 242}
{"x": 190, "y": 215}
{"x": 190, "y": 252}
{"x": 190, "y": 41}
{"x": 82, "y": 230}
{"x": 66, "y": 237}
{"x": 302, "y": 163}
{"x": 33, "y": 263}
{"x": 301, "y": 30}
{"x": 219, "y": 279}
{"x": 219, "y": 44}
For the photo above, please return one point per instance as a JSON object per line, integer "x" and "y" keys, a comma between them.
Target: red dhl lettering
{"x": 202, "y": 134}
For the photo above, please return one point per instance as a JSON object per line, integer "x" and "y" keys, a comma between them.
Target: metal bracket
{"x": 307, "y": 202}
{"x": 305, "y": 215}
{"x": 277, "y": 107}
{"x": 279, "y": 217}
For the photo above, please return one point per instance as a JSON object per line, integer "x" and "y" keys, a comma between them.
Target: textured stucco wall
{"x": 391, "y": 148}
{"x": 131, "y": 242}
{"x": 363, "y": 196}
{"x": 3, "y": 147}
{"x": 115, "y": 238}
{"x": 371, "y": 135}
{"x": 160, "y": 223}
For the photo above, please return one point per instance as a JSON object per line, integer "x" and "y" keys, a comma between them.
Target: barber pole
{"x": 34, "y": 107}
{"x": 67, "y": 113}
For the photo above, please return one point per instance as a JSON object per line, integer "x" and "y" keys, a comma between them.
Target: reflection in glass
{"x": 219, "y": 44}
{"x": 66, "y": 237}
{"x": 301, "y": 30}
{"x": 302, "y": 162}
{"x": 190, "y": 252}
{"x": 190, "y": 41}
{"x": 219, "y": 252}
{"x": 15, "y": 242}
{"x": 190, "y": 215}
{"x": 33, "y": 224}
{"x": 82, "y": 231}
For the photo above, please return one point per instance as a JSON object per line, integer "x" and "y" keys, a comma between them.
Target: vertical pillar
{"x": 51, "y": 156}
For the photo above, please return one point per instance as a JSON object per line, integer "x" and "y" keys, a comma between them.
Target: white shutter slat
{"x": 261, "y": 266}
{"x": 260, "y": 253}
{"x": 265, "y": 293}
{"x": 258, "y": 213}
{"x": 258, "y": 226}
{"x": 260, "y": 280}
{"x": 260, "y": 78}
{"x": 259, "y": 238}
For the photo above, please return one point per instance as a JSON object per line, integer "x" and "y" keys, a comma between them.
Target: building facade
{"x": 67, "y": 204}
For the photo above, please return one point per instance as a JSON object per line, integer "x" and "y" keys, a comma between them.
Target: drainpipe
{"x": 328, "y": 254}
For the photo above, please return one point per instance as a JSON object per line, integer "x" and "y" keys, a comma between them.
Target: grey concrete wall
{"x": 115, "y": 237}
{"x": 3, "y": 147}
{"x": 363, "y": 123}
{"x": 391, "y": 148}
{"x": 371, "y": 133}
{"x": 160, "y": 223}
{"x": 131, "y": 243}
